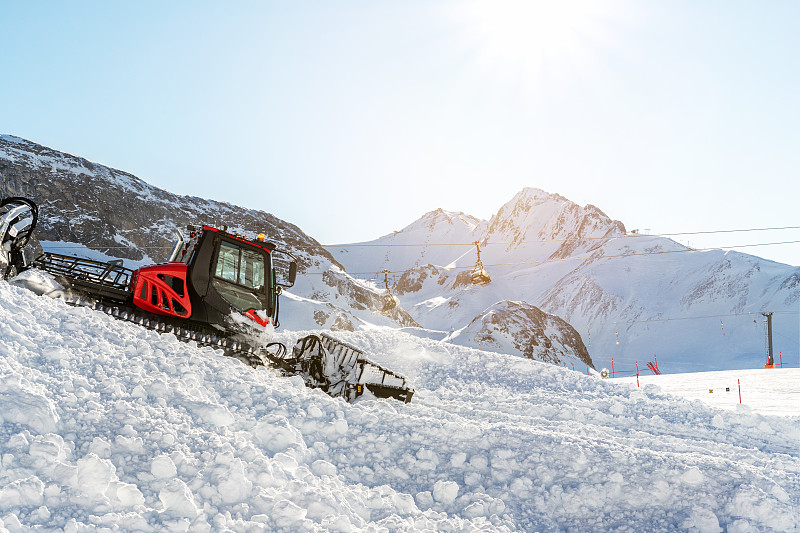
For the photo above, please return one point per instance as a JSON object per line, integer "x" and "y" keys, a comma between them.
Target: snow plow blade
{"x": 341, "y": 370}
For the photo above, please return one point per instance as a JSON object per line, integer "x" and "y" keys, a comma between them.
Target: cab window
{"x": 243, "y": 267}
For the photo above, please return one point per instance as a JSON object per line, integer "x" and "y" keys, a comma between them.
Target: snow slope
{"x": 766, "y": 391}
{"x": 105, "y": 425}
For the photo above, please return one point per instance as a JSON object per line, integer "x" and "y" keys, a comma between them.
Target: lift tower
{"x": 770, "y": 359}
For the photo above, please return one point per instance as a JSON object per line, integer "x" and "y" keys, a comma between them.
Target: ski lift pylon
{"x": 389, "y": 299}
{"x": 479, "y": 275}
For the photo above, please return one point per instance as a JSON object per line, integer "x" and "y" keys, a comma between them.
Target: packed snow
{"x": 773, "y": 391}
{"x": 107, "y": 426}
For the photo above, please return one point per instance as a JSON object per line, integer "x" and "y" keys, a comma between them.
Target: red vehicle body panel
{"x": 162, "y": 289}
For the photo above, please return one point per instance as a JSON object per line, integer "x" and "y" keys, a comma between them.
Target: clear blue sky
{"x": 353, "y": 118}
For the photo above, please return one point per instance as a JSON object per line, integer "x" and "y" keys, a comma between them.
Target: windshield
{"x": 243, "y": 276}
{"x": 243, "y": 267}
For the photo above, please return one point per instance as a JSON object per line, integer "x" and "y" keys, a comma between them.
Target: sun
{"x": 530, "y": 36}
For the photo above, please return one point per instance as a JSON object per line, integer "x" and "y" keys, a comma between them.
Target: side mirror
{"x": 287, "y": 269}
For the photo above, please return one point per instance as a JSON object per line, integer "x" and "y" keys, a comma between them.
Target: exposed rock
{"x": 528, "y": 330}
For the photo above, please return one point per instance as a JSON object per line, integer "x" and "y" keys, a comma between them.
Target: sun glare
{"x": 528, "y": 35}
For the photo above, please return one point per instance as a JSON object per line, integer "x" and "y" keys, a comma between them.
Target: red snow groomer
{"x": 217, "y": 289}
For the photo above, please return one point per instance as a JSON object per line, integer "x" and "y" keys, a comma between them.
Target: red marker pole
{"x": 612, "y": 367}
{"x": 740, "y": 390}
{"x": 637, "y": 373}
{"x": 780, "y": 354}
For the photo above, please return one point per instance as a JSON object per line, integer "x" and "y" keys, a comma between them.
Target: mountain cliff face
{"x": 90, "y": 208}
{"x": 630, "y": 296}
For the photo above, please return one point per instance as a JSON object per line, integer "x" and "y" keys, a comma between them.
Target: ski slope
{"x": 765, "y": 391}
{"x": 104, "y": 425}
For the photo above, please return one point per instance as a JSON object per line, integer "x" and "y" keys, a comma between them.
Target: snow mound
{"x": 108, "y": 426}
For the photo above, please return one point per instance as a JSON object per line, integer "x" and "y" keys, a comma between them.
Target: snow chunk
{"x": 424, "y": 499}
{"x": 127, "y": 494}
{"x": 276, "y": 435}
{"x": 19, "y": 405}
{"x": 230, "y": 479}
{"x": 457, "y": 459}
{"x": 702, "y": 520}
{"x": 217, "y": 415}
{"x": 693, "y": 477}
{"x": 445, "y": 492}
{"x": 28, "y": 492}
{"x": 323, "y": 468}
{"x": 49, "y": 448}
{"x": 95, "y": 475}
{"x": 617, "y": 409}
{"x": 177, "y": 500}
{"x": 163, "y": 467}
{"x": 286, "y": 513}
{"x": 101, "y": 447}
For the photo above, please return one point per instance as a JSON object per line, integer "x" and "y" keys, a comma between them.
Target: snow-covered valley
{"x": 106, "y": 426}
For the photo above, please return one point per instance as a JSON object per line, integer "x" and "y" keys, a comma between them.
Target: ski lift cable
{"x": 723, "y": 231}
{"x": 647, "y": 253}
{"x": 448, "y": 267}
{"x": 586, "y": 258}
{"x": 673, "y": 319}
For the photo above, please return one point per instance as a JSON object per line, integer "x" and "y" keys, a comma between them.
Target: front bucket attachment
{"x": 341, "y": 370}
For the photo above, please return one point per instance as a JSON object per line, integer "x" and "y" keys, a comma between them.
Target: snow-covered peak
{"x": 438, "y": 237}
{"x": 533, "y": 193}
{"x": 560, "y": 225}
{"x": 626, "y": 295}
{"x": 441, "y": 222}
